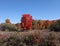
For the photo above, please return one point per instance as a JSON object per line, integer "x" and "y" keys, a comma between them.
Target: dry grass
{"x": 30, "y": 38}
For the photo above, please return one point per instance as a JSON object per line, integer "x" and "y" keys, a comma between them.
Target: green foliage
{"x": 9, "y": 27}
{"x": 34, "y": 24}
{"x": 55, "y": 26}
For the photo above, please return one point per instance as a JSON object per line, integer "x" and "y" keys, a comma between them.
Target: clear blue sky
{"x": 39, "y": 9}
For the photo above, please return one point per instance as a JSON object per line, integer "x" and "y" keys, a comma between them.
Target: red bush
{"x": 26, "y": 21}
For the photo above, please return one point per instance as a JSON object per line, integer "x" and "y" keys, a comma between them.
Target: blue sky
{"x": 39, "y": 9}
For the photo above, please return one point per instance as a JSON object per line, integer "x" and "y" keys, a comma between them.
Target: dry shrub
{"x": 33, "y": 39}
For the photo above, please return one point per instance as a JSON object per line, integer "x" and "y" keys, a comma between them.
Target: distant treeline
{"x": 27, "y": 23}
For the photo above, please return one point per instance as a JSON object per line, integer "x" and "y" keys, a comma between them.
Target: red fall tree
{"x": 26, "y": 21}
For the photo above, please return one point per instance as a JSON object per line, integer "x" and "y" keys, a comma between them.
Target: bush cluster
{"x": 31, "y": 40}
